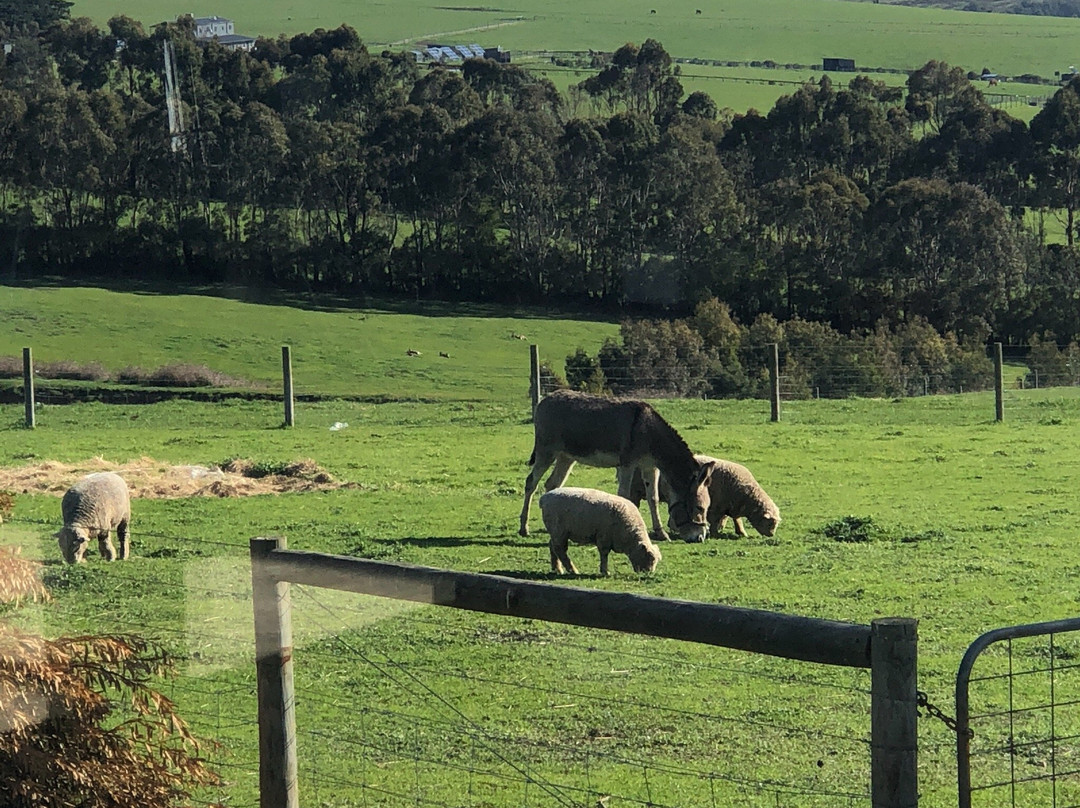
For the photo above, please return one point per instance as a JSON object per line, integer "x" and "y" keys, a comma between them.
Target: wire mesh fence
{"x": 628, "y": 722}
{"x": 1020, "y": 718}
{"x": 400, "y": 705}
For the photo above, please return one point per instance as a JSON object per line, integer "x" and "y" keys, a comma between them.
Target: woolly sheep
{"x": 93, "y": 507}
{"x": 587, "y": 516}
{"x": 733, "y": 492}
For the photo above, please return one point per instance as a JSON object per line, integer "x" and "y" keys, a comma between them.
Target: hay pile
{"x": 152, "y": 479}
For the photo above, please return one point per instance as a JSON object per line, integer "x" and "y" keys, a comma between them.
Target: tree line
{"x": 310, "y": 163}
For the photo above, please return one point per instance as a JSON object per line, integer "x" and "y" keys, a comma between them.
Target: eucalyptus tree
{"x": 697, "y": 213}
{"x": 817, "y": 227}
{"x": 945, "y": 251}
{"x": 583, "y": 188}
{"x": 508, "y": 158}
{"x": 978, "y": 144}
{"x": 935, "y": 91}
{"x": 38, "y": 13}
{"x": 1055, "y": 131}
{"x": 642, "y": 80}
{"x": 84, "y": 54}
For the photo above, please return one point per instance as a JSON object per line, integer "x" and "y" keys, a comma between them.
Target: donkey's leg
{"x": 541, "y": 463}
{"x": 651, "y": 478}
{"x": 558, "y": 475}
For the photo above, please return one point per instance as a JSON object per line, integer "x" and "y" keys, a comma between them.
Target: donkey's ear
{"x": 705, "y": 473}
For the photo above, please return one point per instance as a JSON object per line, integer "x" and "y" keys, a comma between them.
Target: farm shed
{"x": 838, "y": 65}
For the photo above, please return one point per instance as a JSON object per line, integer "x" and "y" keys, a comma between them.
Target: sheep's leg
{"x": 560, "y": 559}
{"x": 651, "y": 478}
{"x": 739, "y": 529}
{"x": 78, "y": 555}
{"x": 603, "y": 561}
{"x": 124, "y": 538}
{"x": 541, "y": 463}
{"x": 105, "y": 546}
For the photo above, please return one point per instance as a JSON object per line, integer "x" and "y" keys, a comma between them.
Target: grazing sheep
{"x": 586, "y": 516}
{"x": 94, "y": 506}
{"x": 733, "y": 492}
{"x": 412, "y": 352}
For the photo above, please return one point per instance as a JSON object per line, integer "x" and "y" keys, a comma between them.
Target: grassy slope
{"x": 781, "y": 30}
{"x": 334, "y": 352}
{"x": 978, "y": 521}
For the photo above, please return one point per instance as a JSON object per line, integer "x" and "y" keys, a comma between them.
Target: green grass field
{"x": 740, "y": 30}
{"x": 398, "y": 704}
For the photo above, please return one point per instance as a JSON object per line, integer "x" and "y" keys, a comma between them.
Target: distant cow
{"x": 698, "y": 11}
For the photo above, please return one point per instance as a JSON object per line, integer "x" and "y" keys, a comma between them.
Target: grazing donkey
{"x": 627, "y": 435}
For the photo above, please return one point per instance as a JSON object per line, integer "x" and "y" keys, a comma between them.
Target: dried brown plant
{"x": 80, "y": 723}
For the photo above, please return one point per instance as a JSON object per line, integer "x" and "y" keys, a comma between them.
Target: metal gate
{"x": 1018, "y": 719}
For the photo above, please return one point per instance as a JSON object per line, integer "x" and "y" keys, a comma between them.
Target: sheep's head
{"x": 765, "y": 522}
{"x": 72, "y": 541}
{"x": 644, "y": 557}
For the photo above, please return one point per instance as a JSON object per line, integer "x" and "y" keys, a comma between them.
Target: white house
{"x": 221, "y": 29}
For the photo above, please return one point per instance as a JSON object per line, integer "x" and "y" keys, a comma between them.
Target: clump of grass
{"x": 178, "y": 374}
{"x": 257, "y": 469}
{"x": 853, "y": 529}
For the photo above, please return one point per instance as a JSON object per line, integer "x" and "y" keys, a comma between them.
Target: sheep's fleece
{"x": 587, "y": 516}
{"x": 92, "y": 508}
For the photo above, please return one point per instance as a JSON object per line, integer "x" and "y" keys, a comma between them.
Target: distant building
{"x": 835, "y": 65}
{"x": 222, "y": 30}
{"x": 455, "y": 54}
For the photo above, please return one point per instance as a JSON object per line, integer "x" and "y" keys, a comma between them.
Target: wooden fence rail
{"x": 888, "y": 647}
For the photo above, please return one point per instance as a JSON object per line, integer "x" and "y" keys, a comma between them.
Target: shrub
{"x": 179, "y": 374}
{"x": 549, "y": 379}
{"x": 91, "y": 372}
{"x": 584, "y": 373}
{"x": 1049, "y": 365}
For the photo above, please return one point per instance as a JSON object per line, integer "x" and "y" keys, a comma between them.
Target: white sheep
{"x": 587, "y": 516}
{"x": 733, "y": 492}
{"x": 93, "y": 507}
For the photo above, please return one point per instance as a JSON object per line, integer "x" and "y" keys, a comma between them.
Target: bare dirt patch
{"x": 152, "y": 479}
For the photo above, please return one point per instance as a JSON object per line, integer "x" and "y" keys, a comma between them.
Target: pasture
{"x": 875, "y": 35}
{"x": 958, "y": 521}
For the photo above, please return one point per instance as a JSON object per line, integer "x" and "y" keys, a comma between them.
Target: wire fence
{"x": 804, "y": 373}
{"x": 401, "y": 706}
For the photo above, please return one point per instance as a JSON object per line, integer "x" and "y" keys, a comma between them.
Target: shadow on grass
{"x": 546, "y": 577}
{"x": 500, "y": 540}
{"x": 358, "y": 302}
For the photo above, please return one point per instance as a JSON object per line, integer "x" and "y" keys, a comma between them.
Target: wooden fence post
{"x": 774, "y": 382}
{"x": 28, "y": 387}
{"x": 534, "y": 375}
{"x": 274, "y": 672}
{"x": 894, "y": 738}
{"x": 286, "y": 374}
{"x": 999, "y": 385}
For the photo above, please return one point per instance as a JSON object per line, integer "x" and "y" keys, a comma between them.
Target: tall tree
{"x": 1056, "y": 133}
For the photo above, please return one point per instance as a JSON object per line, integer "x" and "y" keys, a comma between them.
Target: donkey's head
{"x": 689, "y": 503}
